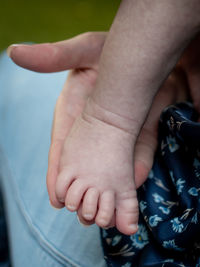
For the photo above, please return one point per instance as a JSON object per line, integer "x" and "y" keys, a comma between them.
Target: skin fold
{"x": 82, "y": 84}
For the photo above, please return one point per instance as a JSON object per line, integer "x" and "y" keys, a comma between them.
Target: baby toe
{"x": 81, "y": 219}
{"x": 106, "y": 209}
{"x": 75, "y": 194}
{"x": 90, "y": 202}
{"x": 127, "y": 215}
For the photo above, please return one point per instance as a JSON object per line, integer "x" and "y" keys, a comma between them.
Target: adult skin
{"x": 81, "y": 83}
{"x": 96, "y": 163}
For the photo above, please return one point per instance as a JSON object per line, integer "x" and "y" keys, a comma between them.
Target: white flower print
{"x": 195, "y": 218}
{"x": 173, "y": 146}
{"x": 116, "y": 239}
{"x": 172, "y": 176}
{"x": 170, "y": 244}
{"x": 140, "y": 238}
{"x": 104, "y": 233}
{"x": 177, "y": 226}
{"x": 154, "y": 220}
{"x": 157, "y": 198}
{"x": 179, "y": 185}
{"x": 164, "y": 210}
{"x": 169, "y": 260}
{"x": 193, "y": 191}
{"x": 143, "y": 205}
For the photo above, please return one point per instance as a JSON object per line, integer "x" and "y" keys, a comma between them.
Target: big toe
{"x": 127, "y": 214}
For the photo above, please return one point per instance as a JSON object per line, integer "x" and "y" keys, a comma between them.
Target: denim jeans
{"x": 38, "y": 235}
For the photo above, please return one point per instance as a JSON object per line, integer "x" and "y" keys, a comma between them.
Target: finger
{"x": 190, "y": 63}
{"x": 61, "y": 125}
{"x": 144, "y": 154}
{"x": 175, "y": 89}
{"x": 70, "y": 104}
{"x": 194, "y": 85}
{"x": 82, "y": 51}
{"x": 52, "y": 173}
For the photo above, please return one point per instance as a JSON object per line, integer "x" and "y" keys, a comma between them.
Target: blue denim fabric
{"x": 38, "y": 235}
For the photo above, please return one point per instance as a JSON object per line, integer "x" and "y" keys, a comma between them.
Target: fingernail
{"x": 103, "y": 223}
{"x": 10, "y": 48}
{"x": 85, "y": 225}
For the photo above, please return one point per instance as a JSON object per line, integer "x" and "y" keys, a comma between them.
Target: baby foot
{"x": 96, "y": 171}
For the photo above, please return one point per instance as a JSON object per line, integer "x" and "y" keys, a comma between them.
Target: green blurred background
{"x": 48, "y": 21}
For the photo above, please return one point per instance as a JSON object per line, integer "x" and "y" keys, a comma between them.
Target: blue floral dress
{"x": 169, "y": 201}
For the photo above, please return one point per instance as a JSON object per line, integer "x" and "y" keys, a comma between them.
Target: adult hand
{"x": 81, "y": 54}
{"x": 190, "y": 64}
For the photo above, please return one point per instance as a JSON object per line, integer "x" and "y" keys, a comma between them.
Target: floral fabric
{"x": 169, "y": 201}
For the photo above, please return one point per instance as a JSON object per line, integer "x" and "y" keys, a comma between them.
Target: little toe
{"x": 65, "y": 178}
{"x": 127, "y": 215}
{"x": 75, "y": 194}
{"x": 106, "y": 209}
{"x": 90, "y": 202}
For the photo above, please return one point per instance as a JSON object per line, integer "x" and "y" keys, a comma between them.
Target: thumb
{"x": 194, "y": 85}
{"x": 82, "y": 51}
{"x": 144, "y": 153}
{"x": 175, "y": 89}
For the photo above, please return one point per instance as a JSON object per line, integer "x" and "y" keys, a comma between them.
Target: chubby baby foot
{"x": 96, "y": 171}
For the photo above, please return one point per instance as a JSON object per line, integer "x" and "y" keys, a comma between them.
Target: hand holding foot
{"x": 81, "y": 54}
{"x": 79, "y": 85}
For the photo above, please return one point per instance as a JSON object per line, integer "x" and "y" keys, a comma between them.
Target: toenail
{"x": 85, "y": 225}
{"x": 71, "y": 207}
{"x": 102, "y": 222}
{"x": 88, "y": 216}
{"x": 54, "y": 206}
{"x": 61, "y": 200}
{"x": 133, "y": 227}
